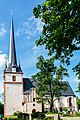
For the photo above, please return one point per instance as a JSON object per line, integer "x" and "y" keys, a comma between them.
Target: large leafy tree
{"x": 47, "y": 80}
{"x": 61, "y": 30}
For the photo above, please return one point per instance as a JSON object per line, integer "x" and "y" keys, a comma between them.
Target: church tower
{"x": 13, "y": 80}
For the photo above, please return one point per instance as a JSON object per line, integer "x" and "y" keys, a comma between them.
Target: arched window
{"x": 34, "y": 110}
{"x": 70, "y": 102}
{"x": 13, "y": 78}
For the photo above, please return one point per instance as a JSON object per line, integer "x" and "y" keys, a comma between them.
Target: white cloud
{"x": 2, "y": 60}
{"x": 1, "y": 87}
{"x": 76, "y": 80}
{"x": 2, "y": 63}
{"x": 31, "y": 28}
{"x": 2, "y": 30}
{"x": 36, "y": 48}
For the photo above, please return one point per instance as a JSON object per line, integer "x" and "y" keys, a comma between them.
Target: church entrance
{"x": 34, "y": 110}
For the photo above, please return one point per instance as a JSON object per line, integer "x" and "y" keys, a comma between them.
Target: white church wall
{"x": 13, "y": 98}
{"x": 34, "y": 106}
{"x": 31, "y": 103}
{"x": 63, "y": 102}
{"x": 75, "y": 104}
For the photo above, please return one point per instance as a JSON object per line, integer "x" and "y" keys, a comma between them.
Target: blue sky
{"x": 27, "y": 30}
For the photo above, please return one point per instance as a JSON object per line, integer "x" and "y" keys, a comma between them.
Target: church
{"x": 20, "y": 93}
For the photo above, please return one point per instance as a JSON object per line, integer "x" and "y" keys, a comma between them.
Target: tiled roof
{"x": 29, "y": 84}
{"x": 69, "y": 91}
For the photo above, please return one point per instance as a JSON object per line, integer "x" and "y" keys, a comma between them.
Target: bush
{"x": 20, "y": 115}
{"x": 38, "y": 115}
{"x": 10, "y": 118}
{"x": 4, "y": 118}
{"x": 78, "y": 114}
{"x": 65, "y": 109}
{"x": 49, "y": 112}
{"x": 13, "y": 118}
{"x": 49, "y": 118}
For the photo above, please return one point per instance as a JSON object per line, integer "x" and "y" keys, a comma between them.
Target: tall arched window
{"x": 13, "y": 78}
{"x": 70, "y": 102}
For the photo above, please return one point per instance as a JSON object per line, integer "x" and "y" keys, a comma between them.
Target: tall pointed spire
{"x": 12, "y": 66}
{"x": 12, "y": 53}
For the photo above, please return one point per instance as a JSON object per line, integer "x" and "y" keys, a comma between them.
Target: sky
{"x": 27, "y": 29}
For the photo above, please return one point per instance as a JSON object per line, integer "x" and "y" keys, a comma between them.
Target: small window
{"x": 14, "y": 78}
{"x": 22, "y": 103}
{"x": 33, "y": 104}
{"x": 33, "y": 99}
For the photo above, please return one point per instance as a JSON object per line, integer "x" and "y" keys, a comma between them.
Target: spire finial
{"x": 11, "y": 13}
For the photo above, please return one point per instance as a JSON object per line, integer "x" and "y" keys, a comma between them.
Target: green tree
{"x": 78, "y": 103}
{"x": 48, "y": 80}
{"x": 61, "y": 30}
{"x": 1, "y": 108}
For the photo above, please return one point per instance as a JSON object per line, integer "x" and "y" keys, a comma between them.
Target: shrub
{"x": 15, "y": 114}
{"x": 65, "y": 109}
{"x": 78, "y": 114}
{"x": 38, "y": 115}
{"x": 4, "y": 118}
{"x": 13, "y": 118}
{"x": 20, "y": 115}
{"x": 49, "y": 118}
{"x": 49, "y": 112}
{"x": 10, "y": 118}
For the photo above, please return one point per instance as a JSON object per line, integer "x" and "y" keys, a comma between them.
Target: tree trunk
{"x": 51, "y": 105}
{"x": 42, "y": 107}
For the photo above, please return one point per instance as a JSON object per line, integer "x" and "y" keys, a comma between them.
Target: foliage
{"x": 77, "y": 70}
{"x": 38, "y": 115}
{"x": 78, "y": 114}
{"x": 48, "y": 80}
{"x": 49, "y": 112}
{"x": 65, "y": 109}
{"x": 78, "y": 88}
{"x": 61, "y": 30}
{"x": 78, "y": 102}
{"x": 10, "y": 118}
{"x": 20, "y": 115}
{"x": 1, "y": 108}
{"x": 49, "y": 118}
{"x": 72, "y": 115}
